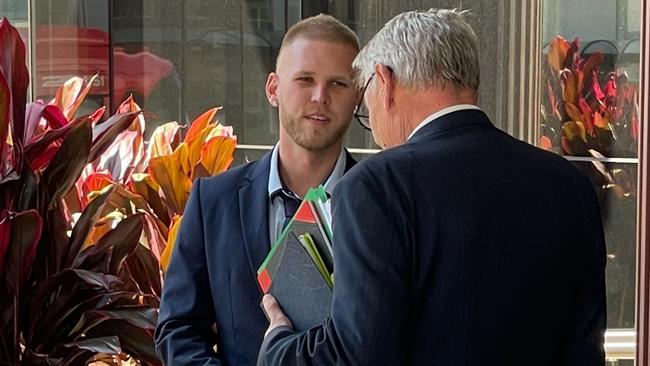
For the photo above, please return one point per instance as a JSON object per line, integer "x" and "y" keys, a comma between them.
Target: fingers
{"x": 274, "y": 313}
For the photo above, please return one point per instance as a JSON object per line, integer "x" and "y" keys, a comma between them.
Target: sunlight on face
{"x": 314, "y": 91}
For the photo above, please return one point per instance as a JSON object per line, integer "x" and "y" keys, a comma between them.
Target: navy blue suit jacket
{"x": 223, "y": 239}
{"x": 463, "y": 246}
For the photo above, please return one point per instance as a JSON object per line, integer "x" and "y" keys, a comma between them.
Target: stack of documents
{"x": 298, "y": 269}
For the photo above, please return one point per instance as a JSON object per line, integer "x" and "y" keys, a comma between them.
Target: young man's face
{"x": 313, "y": 89}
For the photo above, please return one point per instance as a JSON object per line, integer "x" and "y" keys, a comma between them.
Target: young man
{"x": 458, "y": 245}
{"x": 232, "y": 219}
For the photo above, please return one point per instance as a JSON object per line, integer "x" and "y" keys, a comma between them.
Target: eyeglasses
{"x": 361, "y": 111}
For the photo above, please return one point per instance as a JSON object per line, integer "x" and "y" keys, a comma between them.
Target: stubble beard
{"x": 308, "y": 138}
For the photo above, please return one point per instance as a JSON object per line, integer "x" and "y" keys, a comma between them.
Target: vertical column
{"x": 518, "y": 70}
{"x": 643, "y": 214}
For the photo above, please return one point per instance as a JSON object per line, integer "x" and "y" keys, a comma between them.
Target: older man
{"x": 458, "y": 244}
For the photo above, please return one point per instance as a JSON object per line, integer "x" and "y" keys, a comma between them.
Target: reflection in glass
{"x": 615, "y": 185}
{"x": 590, "y": 108}
{"x": 71, "y": 39}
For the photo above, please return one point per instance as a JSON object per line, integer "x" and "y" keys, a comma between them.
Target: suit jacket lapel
{"x": 254, "y": 212}
{"x": 349, "y": 160}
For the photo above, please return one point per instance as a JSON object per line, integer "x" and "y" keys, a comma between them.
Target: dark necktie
{"x": 290, "y": 202}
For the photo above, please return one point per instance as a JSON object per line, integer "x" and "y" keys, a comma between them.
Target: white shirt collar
{"x": 440, "y": 113}
{"x": 274, "y": 174}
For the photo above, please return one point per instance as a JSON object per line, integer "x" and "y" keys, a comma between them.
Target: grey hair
{"x": 424, "y": 49}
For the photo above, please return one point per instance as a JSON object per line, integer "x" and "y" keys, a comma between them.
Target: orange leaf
{"x": 162, "y": 138}
{"x": 72, "y": 94}
{"x": 183, "y": 155}
{"x": 125, "y": 201}
{"x": 217, "y": 154}
{"x": 97, "y": 181}
{"x": 574, "y": 129}
{"x": 129, "y": 105}
{"x": 220, "y": 130}
{"x": 165, "y": 257}
{"x": 103, "y": 226}
{"x": 145, "y": 186}
{"x": 557, "y": 53}
{"x": 601, "y": 121}
{"x": 571, "y": 85}
{"x": 573, "y": 112}
{"x": 195, "y": 145}
{"x": 200, "y": 123}
{"x": 171, "y": 175}
{"x": 545, "y": 143}
{"x": 67, "y": 93}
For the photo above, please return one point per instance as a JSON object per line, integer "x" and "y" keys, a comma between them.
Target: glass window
{"x": 71, "y": 39}
{"x": 590, "y": 114}
{"x": 17, "y": 11}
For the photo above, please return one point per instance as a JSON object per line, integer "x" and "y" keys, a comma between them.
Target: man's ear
{"x": 386, "y": 83}
{"x": 271, "y": 89}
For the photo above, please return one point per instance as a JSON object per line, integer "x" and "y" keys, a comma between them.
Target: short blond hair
{"x": 321, "y": 27}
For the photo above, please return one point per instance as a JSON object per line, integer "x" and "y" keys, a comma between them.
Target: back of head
{"x": 321, "y": 27}
{"x": 424, "y": 49}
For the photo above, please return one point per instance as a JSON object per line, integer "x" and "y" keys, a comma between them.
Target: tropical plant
{"x": 85, "y": 216}
{"x": 588, "y": 111}
{"x": 591, "y": 109}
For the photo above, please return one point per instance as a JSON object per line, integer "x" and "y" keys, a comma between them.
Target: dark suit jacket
{"x": 463, "y": 246}
{"x": 223, "y": 239}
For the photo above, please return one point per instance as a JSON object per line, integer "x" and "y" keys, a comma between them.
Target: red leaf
{"x": 635, "y": 127}
{"x": 97, "y": 115}
{"x": 5, "y": 235}
{"x": 587, "y": 115}
{"x": 14, "y": 69}
{"x": 26, "y": 230}
{"x": 84, "y": 225}
{"x": 595, "y": 87}
{"x": 104, "y": 133}
{"x": 610, "y": 87}
{"x": 5, "y": 118}
{"x": 50, "y": 140}
{"x": 592, "y": 63}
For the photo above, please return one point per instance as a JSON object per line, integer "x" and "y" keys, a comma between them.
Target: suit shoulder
{"x": 231, "y": 177}
{"x": 380, "y": 166}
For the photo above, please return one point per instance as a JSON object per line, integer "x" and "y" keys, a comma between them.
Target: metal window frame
{"x": 643, "y": 207}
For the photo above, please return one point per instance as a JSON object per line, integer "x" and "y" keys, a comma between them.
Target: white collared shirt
{"x": 440, "y": 113}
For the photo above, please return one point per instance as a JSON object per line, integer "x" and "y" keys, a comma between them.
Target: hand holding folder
{"x": 298, "y": 269}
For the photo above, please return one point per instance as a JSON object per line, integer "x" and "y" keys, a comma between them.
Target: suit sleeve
{"x": 184, "y": 335}
{"x": 372, "y": 262}
{"x": 585, "y": 344}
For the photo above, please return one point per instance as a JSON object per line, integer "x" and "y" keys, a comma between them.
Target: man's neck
{"x": 420, "y": 105}
{"x": 302, "y": 169}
